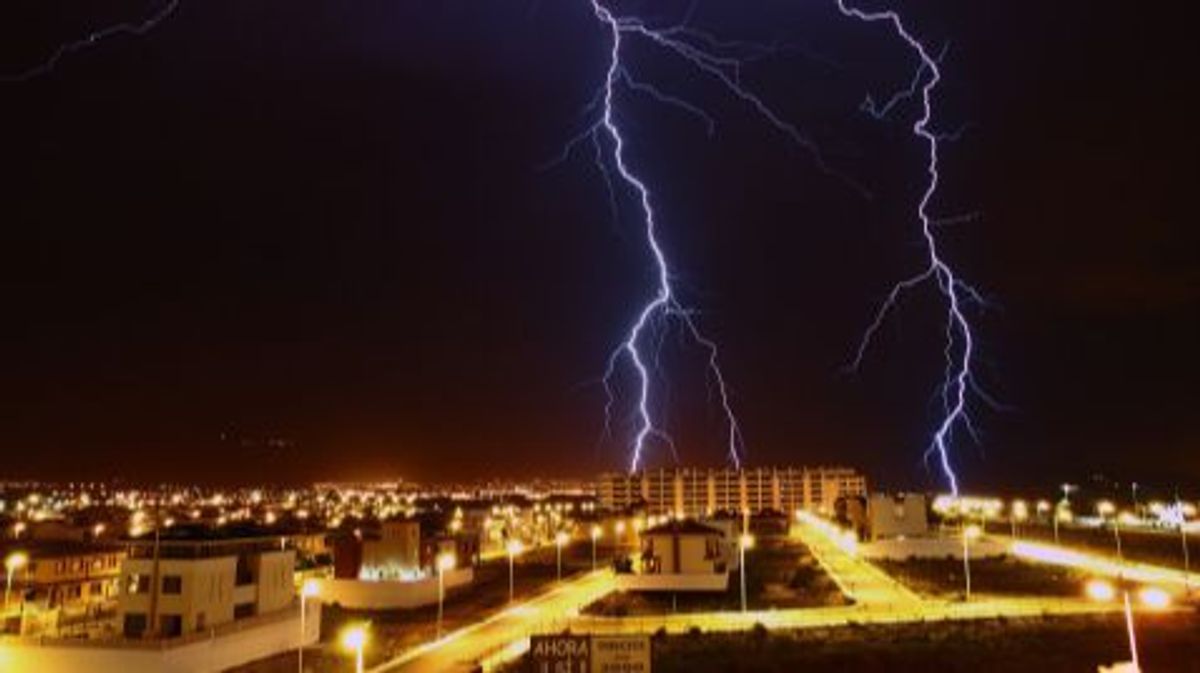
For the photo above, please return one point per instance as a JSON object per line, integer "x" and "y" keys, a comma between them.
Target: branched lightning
{"x": 959, "y": 349}
{"x": 92, "y": 39}
{"x": 709, "y": 56}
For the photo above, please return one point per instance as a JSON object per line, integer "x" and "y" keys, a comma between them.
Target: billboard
{"x": 589, "y": 654}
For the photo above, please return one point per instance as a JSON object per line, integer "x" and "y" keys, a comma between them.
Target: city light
{"x": 15, "y": 561}
{"x": 353, "y": 640}
{"x": 1154, "y": 598}
{"x": 560, "y": 540}
{"x": 1100, "y": 590}
{"x": 12, "y": 563}
{"x": 309, "y": 589}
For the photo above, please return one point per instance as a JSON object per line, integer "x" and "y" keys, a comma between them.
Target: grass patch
{"x": 999, "y": 576}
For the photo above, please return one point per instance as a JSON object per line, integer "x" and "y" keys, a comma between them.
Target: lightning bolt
{"x": 91, "y": 40}
{"x": 959, "y": 349}
{"x": 710, "y": 57}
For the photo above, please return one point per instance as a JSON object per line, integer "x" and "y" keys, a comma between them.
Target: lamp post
{"x": 1180, "y": 517}
{"x": 1133, "y": 652}
{"x": 1018, "y": 512}
{"x": 746, "y": 541}
{"x": 513, "y": 547}
{"x": 596, "y": 533}
{"x": 354, "y": 639}
{"x": 1105, "y": 509}
{"x": 307, "y": 590}
{"x": 15, "y": 561}
{"x": 444, "y": 562}
{"x": 1064, "y": 503}
{"x": 969, "y": 533}
{"x": 560, "y": 539}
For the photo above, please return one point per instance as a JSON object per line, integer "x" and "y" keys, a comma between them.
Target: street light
{"x": 1064, "y": 504}
{"x": 746, "y": 541}
{"x": 309, "y": 589}
{"x": 1178, "y": 515}
{"x": 15, "y": 560}
{"x": 514, "y": 547}
{"x": 445, "y": 562}
{"x": 596, "y": 533}
{"x": 1105, "y": 508}
{"x": 969, "y": 533}
{"x": 1153, "y": 597}
{"x": 560, "y": 538}
{"x": 1100, "y": 590}
{"x": 1018, "y": 512}
{"x": 353, "y": 640}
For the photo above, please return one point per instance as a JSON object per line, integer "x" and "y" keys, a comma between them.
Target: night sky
{"x": 314, "y": 240}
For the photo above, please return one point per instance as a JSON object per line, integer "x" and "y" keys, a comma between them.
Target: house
{"x": 195, "y": 579}
{"x": 395, "y": 555}
{"x": 683, "y": 555}
{"x": 896, "y": 516}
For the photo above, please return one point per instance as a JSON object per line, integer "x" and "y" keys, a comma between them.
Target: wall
{"x": 207, "y": 588}
{"x": 705, "y": 582}
{"x": 930, "y": 547}
{"x": 234, "y": 645}
{"x": 384, "y": 595}
{"x": 274, "y": 581}
{"x": 900, "y": 515}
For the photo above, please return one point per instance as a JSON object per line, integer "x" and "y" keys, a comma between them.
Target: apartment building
{"x": 60, "y": 585}
{"x": 700, "y": 492}
{"x": 202, "y": 579}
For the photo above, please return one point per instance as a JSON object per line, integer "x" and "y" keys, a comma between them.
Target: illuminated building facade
{"x": 701, "y": 492}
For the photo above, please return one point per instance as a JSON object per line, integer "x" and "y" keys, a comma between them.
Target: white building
{"x": 900, "y": 515}
{"x": 683, "y": 555}
{"x": 396, "y": 555}
{"x": 699, "y": 493}
{"x": 182, "y": 586}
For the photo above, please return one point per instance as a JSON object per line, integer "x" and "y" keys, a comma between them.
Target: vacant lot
{"x": 780, "y": 573}
{"x": 1004, "y": 576}
{"x": 1167, "y": 643}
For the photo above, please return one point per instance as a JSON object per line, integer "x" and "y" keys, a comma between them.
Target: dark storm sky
{"x": 306, "y": 240}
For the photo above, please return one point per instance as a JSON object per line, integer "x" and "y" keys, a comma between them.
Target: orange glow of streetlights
{"x": 353, "y": 640}
{"x": 1100, "y": 590}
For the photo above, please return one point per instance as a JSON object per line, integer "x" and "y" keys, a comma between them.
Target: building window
{"x": 135, "y": 624}
{"x": 172, "y": 584}
{"x": 138, "y": 584}
{"x": 170, "y": 626}
{"x": 243, "y": 610}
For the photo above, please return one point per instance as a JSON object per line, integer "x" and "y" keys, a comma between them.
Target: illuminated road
{"x": 1169, "y": 578}
{"x": 460, "y": 649}
{"x": 802, "y": 618}
{"x": 856, "y": 577}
